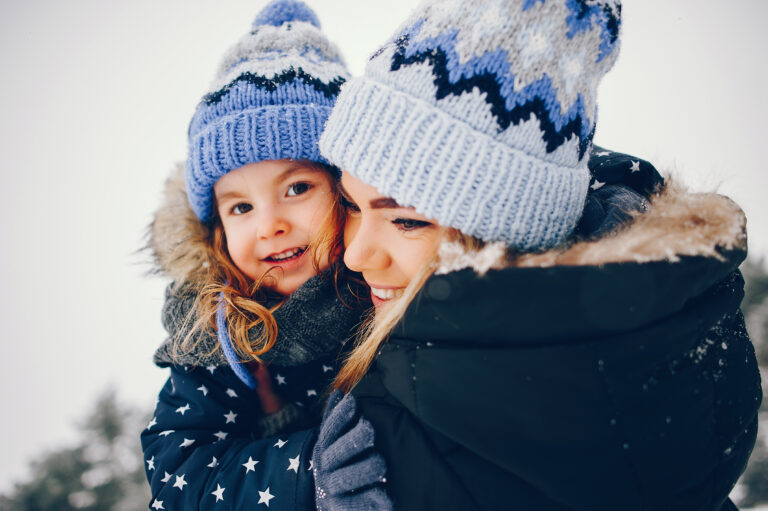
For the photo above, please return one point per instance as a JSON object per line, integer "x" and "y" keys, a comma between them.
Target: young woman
{"x": 510, "y": 364}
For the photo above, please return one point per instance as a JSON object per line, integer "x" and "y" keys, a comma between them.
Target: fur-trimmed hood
{"x": 178, "y": 241}
{"x": 677, "y": 223}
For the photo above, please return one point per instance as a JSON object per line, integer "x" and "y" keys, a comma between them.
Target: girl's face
{"x": 270, "y": 212}
{"x": 384, "y": 241}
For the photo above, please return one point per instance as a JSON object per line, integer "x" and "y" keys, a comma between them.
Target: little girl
{"x": 247, "y": 235}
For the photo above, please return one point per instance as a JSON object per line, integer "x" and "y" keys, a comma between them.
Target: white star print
{"x": 230, "y": 417}
{"x": 249, "y": 464}
{"x": 152, "y": 423}
{"x": 280, "y": 443}
{"x": 327, "y": 368}
{"x": 635, "y": 166}
{"x": 151, "y": 463}
{"x": 265, "y": 497}
{"x": 221, "y": 435}
{"x": 219, "y": 492}
{"x": 187, "y": 442}
{"x": 231, "y": 393}
{"x": 167, "y": 432}
{"x": 203, "y": 389}
{"x": 211, "y": 368}
{"x": 603, "y": 153}
{"x": 166, "y": 478}
{"x": 293, "y": 464}
{"x": 311, "y": 392}
{"x": 180, "y": 482}
{"x": 157, "y": 504}
{"x": 280, "y": 379}
{"x": 213, "y": 463}
{"x": 311, "y": 464}
{"x": 183, "y": 409}
{"x": 597, "y": 184}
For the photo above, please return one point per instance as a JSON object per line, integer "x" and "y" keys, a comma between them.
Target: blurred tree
{"x": 754, "y": 483}
{"x": 104, "y": 472}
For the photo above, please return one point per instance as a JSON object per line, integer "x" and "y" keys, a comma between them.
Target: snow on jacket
{"x": 209, "y": 445}
{"x": 616, "y": 374}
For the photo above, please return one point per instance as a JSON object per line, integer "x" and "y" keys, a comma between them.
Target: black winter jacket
{"x": 617, "y": 375}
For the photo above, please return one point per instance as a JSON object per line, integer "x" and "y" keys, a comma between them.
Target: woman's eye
{"x": 349, "y": 205}
{"x": 241, "y": 208}
{"x": 298, "y": 189}
{"x": 409, "y": 224}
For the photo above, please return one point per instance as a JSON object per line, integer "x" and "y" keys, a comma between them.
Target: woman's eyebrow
{"x": 384, "y": 203}
{"x": 377, "y": 203}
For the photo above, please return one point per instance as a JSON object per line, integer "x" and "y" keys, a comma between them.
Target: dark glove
{"x": 348, "y": 473}
{"x": 608, "y": 209}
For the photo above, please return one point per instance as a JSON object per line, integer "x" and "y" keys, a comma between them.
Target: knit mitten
{"x": 348, "y": 473}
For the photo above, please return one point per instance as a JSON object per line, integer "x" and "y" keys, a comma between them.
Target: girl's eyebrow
{"x": 232, "y": 194}
{"x": 287, "y": 173}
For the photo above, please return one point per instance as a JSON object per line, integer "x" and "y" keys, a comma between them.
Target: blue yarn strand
{"x": 229, "y": 352}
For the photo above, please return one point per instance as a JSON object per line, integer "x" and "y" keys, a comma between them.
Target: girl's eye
{"x": 298, "y": 189}
{"x": 350, "y": 206}
{"x": 409, "y": 224}
{"x": 241, "y": 208}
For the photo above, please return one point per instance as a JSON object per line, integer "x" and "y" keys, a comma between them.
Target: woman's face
{"x": 384, "y": 241}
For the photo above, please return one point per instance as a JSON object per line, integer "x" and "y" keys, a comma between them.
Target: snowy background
{"x": 95, "y": 100}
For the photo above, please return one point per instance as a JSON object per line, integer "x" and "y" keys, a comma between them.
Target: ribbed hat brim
{"x": 250, "y": 136}
{"x": 422, "y": 157}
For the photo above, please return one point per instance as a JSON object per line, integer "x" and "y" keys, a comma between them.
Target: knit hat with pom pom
{"x": 481, "y": 115}
{"x": 269, "y": 100}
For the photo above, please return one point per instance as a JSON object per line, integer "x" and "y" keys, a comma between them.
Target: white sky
{"x": 96, "y": 97}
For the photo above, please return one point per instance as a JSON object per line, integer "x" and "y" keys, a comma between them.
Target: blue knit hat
{"x": 270, "y": 99}
{"x": 481, "y": 115}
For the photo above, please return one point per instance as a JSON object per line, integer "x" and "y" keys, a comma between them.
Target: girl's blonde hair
{"x": 377, "y": 327}
{"x": 247, "y": 304}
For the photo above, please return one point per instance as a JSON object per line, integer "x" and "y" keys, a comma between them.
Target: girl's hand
{"x": 270, "y": 402}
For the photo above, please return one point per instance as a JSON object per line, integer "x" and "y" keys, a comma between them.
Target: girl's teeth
{"x": 286, "y": 255}
{"x": 386, "y": 294}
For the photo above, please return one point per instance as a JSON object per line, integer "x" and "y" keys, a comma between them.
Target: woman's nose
{"x": 364, "y": 250}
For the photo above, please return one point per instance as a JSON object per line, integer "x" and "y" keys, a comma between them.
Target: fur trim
{"x": 177, "y": 239}
{"x": 677, "y": 223}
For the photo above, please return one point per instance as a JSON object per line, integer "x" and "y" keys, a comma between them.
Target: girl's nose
{"x": 271, "y": 222}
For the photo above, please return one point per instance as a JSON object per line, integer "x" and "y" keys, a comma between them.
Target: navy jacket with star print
{"x": 209, "y": 446}
{"x": 203, "y": 448}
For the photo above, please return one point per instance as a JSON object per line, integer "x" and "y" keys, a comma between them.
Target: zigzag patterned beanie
{"x": 270, "y": 99}
{"x": 481, "y": 115}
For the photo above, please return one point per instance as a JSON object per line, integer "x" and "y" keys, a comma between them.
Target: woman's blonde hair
{"x": 250, "y": 304}
{"x": 377, "y": 327}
